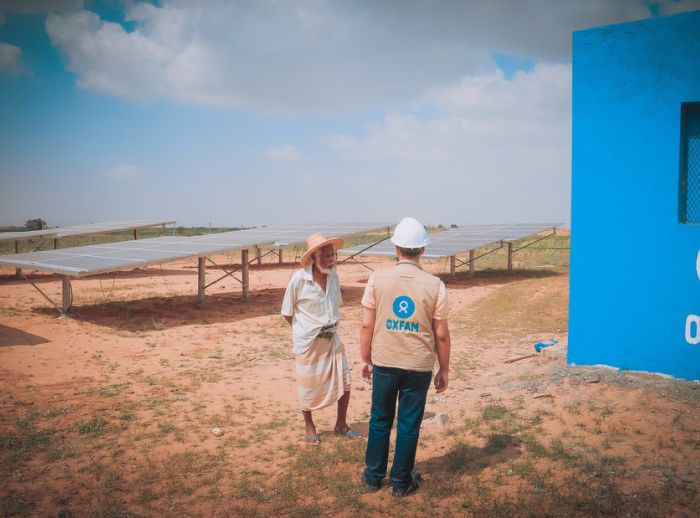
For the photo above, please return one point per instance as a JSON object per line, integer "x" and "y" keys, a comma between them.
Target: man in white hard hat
{"x": 404, "y": 329}
{"x": 311, "y": 306}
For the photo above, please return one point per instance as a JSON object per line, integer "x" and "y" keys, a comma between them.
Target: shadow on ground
{"x": 463, "y": 459}
{"x": 10, "y": 336}
{"x": 163, "y": 312}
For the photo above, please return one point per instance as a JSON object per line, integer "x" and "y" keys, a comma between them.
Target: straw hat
{"x": 316, "y": 242}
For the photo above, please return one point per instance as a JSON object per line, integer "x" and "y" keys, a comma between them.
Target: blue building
{"x": 635, "y": 251}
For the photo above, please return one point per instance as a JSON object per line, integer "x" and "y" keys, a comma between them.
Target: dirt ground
{"x": 110, "y": 412}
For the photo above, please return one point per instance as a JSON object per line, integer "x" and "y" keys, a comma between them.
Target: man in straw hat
{"x": 311, "y": 306}
{"x": 404, "y": 329}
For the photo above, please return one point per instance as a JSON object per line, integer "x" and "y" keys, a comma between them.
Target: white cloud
{"x": 283, "y": 153}
{"x": 11, "y": 60}
{"x": 321, "y": 56}
{"x": 499, "y": 150}
{"x": 125, "y": 171}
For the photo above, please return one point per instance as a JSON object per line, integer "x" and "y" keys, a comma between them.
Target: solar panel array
{"x": 84, "y": 230}
{"x": 288, "y": 235}
{"x": 93, "y": 259}
{"x": 462, "y": 239}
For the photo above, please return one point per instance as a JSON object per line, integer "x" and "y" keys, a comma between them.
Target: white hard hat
{"x": 409, "y": 233}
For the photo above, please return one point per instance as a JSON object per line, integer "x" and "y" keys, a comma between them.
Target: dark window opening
{"x": 689, "y": 207}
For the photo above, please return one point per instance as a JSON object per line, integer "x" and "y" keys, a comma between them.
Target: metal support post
{"x": 556, "y": 252}
{"x": 200, "y": 280}
{"x": 136, "y": 233}
{"x": 510, "y": 257}
{"x": 280, "y": 257}
{"x": 245, "y": 280}
{"x": 67, "y": 294}
{"x": 18, "y": 271}
{"x": 472, "y": 263}
{"x": 452, "y": 265}
{"x": 258, "y": 258}
{"x": 55, "y": 243}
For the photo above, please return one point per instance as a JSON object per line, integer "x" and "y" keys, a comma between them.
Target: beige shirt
{"x": 310, "y": 307}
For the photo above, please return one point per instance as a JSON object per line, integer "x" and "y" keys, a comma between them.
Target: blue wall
{"x": 634, "y": 270}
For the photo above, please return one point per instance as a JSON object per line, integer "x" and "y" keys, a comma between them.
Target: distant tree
{"x": 441, "y": 226}
{"x": 453, "y": 225}
{"x": 35, "y": 224}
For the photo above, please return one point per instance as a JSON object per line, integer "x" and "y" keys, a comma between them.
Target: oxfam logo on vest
{"x": 403, "y": 308}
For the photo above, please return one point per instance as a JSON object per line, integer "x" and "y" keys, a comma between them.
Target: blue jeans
{"x": 411, "y": 388}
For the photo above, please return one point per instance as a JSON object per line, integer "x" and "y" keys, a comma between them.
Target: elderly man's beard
{"x": 324, "y": 271}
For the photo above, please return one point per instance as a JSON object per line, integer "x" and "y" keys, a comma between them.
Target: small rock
{"x": 437, "y": 400}
{"x": 217, "y": 431}
{"x": 485, "y": 394}
{"x": 439, "y": 421}
{"x": 360, "y": 388}
{"x": 509, "y": 471}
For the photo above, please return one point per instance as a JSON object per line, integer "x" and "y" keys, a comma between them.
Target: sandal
{"x": 349, "y": 434}
{"x": 313, "y": 439}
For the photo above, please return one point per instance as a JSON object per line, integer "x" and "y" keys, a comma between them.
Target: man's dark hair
{"x": 409, "y": 252}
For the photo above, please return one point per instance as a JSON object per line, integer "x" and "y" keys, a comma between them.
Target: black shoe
{"x": 371, "y": 487}
{"x": 415, "y": 484}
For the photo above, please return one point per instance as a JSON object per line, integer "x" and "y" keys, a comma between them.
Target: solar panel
{"x": 288, "y": 235}
{"x": 89, "y": 260}
{"x": 85, "y": 230}
{"x": 462, "y": 239}
{"x": 92, "y": 259}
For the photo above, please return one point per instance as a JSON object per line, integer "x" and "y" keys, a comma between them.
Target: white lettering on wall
{"x": 692, "y": 337}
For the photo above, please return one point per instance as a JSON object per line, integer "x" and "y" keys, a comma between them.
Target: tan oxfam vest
{"x": 403, "y": 330}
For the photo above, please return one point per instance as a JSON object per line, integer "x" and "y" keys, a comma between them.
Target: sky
{"x": 255, "y": 112}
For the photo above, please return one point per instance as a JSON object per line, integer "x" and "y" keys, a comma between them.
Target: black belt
{"x": 327, "y": 331}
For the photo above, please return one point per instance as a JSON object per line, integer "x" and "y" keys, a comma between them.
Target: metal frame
{"x": 455, "y": 262}
{"x": 68, "y": 272}
{"x": 352, "y": 257}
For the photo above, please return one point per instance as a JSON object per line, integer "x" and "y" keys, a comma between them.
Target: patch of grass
{"x": 534, "y": 446}
{"x": 165, "y": 429}
{"x": 573, "y": 407}
{"x": 112, "y": 390}
{"x": 16, "y": 504}
{"x": 494, "y": 411}
{"x": 22, "y": 446}
{"x": 55, "y": 412}
{"x": 28, "y": 420}
{"x": 93, "y": 427}
{"x": 558, "y": 451}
